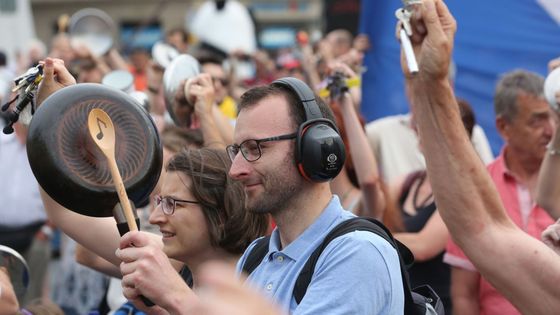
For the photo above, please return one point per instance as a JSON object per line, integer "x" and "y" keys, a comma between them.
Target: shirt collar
{"x": 316, "y": 231}
{"x": 502, "y": 167}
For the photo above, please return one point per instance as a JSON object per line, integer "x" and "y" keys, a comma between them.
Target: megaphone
{"x": 92, "y": 28}
{"x": 17, "y": 270}
{"x": 182, "y": 68}
{"x": 552, "y": 89}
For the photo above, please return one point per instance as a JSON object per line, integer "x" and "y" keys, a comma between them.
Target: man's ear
{"x": 502, "y": 125}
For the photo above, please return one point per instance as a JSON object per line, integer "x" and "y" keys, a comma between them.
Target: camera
{"x": 336, "y": 85}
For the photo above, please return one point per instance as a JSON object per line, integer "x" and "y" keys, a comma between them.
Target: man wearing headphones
{"x": 286, "y": 149}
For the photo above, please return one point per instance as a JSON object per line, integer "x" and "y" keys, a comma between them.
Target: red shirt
{"x": 523, "y": 212}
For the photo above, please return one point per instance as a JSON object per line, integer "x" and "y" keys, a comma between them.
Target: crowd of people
{"x": 286, "y": 154}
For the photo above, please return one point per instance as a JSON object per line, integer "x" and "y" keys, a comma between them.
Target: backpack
{"x": 421, "y": 300}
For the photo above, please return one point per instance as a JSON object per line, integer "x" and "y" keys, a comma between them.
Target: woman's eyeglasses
{"x": 168, "y": 204}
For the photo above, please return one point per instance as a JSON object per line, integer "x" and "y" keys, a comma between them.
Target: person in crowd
{"x": 34, "y": 51}
{"x": 336, "y": 44}
{"x": 264, "y": 69}
{"x": 467, "y": 198}
{"x": 304, "y": 212}
{"x": 173, "y": 139}
{"x": 524, "y": 120}
{"x": 6, "y": 79}
{"x": 210, "y": 221}
{"x": 203, "y": 113}
{"x": 548, "y": 193}
{"x": 418, "y": 225}
{"x": 178, "y": 37}
{"x": 23, "y": 221}
{"x": 358, "y": 185}
{"x": 289, "y": 65}
{"x": 547, "y": 189}
{"x": 9, "y": 304}
{"x": 61, "y": 48}
{"x": 214, "y": 68}
{"x": 395, "y": 143}
{"x": 155, "y": 93}
{"x": 139, "y": 63}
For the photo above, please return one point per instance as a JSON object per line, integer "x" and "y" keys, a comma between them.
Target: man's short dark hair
{"x": 209, "y": 58}
{"x": 510, "y": 86}
{"x": 297, "y": 112}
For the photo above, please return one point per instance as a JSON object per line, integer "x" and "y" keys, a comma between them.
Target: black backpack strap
{"x": 351, "y": 225}
{"x": 256, "y": 255}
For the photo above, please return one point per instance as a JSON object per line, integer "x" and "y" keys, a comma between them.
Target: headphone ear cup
{"x": 320, "y": 152}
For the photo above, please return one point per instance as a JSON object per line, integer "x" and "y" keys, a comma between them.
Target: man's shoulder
{"x": 362, "y": 243}
{"x": 358, "y": 255}
{"x": 363, "y": 240}
{"x": 243, "y": 259}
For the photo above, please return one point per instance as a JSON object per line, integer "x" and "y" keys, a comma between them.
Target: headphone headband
{"x": 305, "y": 95}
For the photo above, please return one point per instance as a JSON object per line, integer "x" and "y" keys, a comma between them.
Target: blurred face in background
{"x": 179, "y": 40}
{"x": 62, "y": 48}
{"x": 219, "y": 78}
{"x": 89, "y": 73}
{"x": 531, "y": 129}
{"x": 140, "y": 59}
{"x": 155, "y": 90}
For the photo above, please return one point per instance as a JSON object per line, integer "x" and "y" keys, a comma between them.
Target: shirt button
{"x": 280, "y": 258}
{"x": 269, "y": 286}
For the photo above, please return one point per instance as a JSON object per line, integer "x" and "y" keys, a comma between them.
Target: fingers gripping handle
{"x": 123, "y": 226}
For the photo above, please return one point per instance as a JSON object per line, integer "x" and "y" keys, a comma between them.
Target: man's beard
{"x": 279, "y": 190}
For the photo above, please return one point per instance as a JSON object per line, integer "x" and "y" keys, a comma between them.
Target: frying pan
{"x": 72, "y": 169}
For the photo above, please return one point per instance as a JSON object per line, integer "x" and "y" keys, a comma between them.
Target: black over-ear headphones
{"x": 320, "y": 152}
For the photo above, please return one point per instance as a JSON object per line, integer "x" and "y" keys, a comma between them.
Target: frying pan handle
{"x": 122, "y": 225}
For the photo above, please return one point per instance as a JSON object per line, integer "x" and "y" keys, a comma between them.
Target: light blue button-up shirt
{"x": 357, "y": 273}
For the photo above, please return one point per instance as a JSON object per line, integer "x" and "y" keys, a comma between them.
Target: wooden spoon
{"x": 102, "y": 132}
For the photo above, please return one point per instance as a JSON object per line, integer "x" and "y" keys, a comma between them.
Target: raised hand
{"x": 433, "y": 31}
{"x": 202, "y": 90}
{"x": 551, "y": 237}
{"x": 55, "y": 77}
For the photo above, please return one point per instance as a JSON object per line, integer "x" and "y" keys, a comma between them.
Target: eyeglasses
{"x": 169, "y": 204}
{"x": 251, "y": 149}
{"x": 223, "y": 81}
